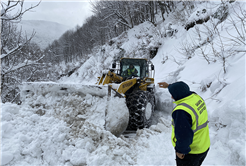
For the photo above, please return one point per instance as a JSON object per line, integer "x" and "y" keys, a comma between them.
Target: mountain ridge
{"x": 45, "y": 31}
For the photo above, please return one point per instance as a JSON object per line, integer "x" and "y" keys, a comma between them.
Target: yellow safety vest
{"x": 195, "y": 106}
{"x": 131, "y": 71}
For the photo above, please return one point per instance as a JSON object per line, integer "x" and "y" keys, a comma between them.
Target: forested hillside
{"x": 110, "y": 20}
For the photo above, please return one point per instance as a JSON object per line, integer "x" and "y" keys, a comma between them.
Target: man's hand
{"x": 163, "y": 84}
{"x": 180, "y": 155}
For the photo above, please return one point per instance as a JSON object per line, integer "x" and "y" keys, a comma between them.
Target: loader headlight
{"x": 148, "y": 80}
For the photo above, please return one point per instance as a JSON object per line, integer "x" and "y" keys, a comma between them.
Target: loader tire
{"x": 141, "y": 108}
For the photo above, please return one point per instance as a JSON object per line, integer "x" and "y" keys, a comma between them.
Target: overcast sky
{"x": 65, "y": 12}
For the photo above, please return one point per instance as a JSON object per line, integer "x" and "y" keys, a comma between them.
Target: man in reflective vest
{"x": 131, "y": 70}
{"x": 190, "y": 133}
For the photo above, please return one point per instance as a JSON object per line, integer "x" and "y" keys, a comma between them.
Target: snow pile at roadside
{"x": 58, "y": 130}
{"x": 50, "y": 131}
{"x": 42, "y": 88}
{"x": 30, "y": 139}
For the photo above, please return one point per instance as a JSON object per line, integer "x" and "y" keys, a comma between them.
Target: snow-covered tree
{"x": 18, "y": 55}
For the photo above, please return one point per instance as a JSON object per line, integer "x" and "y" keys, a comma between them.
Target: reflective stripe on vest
{"x": 192, "y": 109}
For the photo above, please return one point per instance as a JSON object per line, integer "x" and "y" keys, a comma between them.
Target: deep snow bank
{"x": 57, "y": 130}
{"x": 68, "y": 130}
{"x": 222, "y": 87}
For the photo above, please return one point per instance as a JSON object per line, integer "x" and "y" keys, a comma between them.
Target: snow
{"x": 117, "y": 116}
{"x": 49, "y": 129}
{"x": 40, "y": 88}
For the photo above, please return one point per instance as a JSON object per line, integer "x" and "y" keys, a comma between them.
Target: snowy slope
{"x": 68, "y": 130}
{"x": 46, "y": 31}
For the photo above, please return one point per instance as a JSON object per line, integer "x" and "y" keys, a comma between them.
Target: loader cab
{"x": 140, "y": 65}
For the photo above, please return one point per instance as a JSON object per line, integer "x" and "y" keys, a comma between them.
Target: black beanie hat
{"x": 179, "y": 90}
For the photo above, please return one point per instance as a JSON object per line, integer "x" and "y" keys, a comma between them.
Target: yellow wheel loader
{"x": 133, "y": 79}
{"x": 129, "y": 78}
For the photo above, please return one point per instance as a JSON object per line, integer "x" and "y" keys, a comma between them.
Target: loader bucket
{"x": 42, "y": 88}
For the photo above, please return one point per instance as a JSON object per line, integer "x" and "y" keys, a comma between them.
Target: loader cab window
{"x": 128, "y": 70}
{"x": 140, "y": 66}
